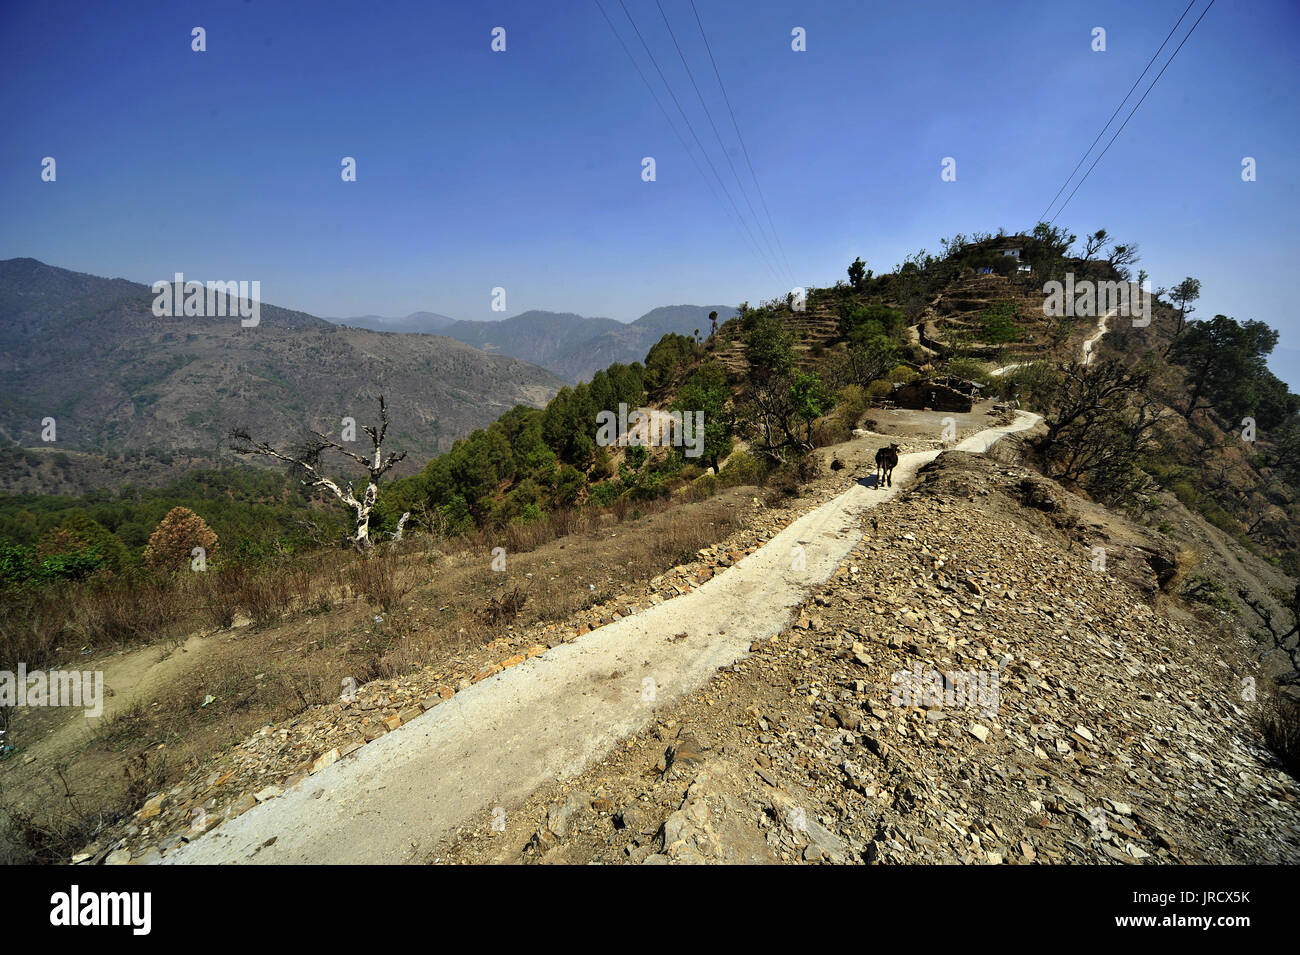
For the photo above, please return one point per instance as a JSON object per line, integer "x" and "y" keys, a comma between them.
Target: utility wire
{"x": 1043, "y": 216}
{"x": 771, "y": 251}
{"x": 1134, "y": 109}
{"x": 654, "y": 62}
{"x": 744, "y": 149}
{"x": 672, "y": 125}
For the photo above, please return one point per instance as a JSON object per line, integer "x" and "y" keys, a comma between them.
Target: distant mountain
{"x": 88, "y": 352}
{"x": 426, "y": 323}
{"x": 576, "y": 347}
{"x": 683, "y": 319}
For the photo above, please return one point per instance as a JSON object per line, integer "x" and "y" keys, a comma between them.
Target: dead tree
{"x": 304, "y": 462}
{"x": 1266, "y": 615}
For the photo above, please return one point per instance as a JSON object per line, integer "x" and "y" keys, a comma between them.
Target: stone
{"x": 153, "y": 807}
{"x": 637, "y": 819}
{"x": 561, "y": 817}
{"x": 981, "y": 733}
{"x": 241, "y": 805}
{"x": 329, "y": 757}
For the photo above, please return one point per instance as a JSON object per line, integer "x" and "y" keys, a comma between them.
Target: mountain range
{"x": 572, "y": 346}
{"x": 89, "y": 353}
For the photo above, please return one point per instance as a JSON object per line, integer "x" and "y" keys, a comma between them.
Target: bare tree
{"x": 1095, "y": 243}
{"x": 1100, "y": 422}
{"x": 304, "y": 462}
{"x": 1121, "y": 257}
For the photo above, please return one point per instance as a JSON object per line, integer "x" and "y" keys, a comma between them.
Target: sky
{"x": 523, "y": 169}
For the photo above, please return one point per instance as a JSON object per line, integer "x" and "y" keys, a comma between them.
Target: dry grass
{"x": 315, "y": 623}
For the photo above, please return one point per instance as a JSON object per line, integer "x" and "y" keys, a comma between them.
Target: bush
{"x": 177, "y": 534}
{"x": 969, "y": 368}
{"x": 704, "y": 486}
{"x": 742, "y": 468}
{"x": 377, "y": 579}
{"x": 603, "y": 494}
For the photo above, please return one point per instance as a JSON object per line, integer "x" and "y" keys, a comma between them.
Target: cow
{"x": 886, "y": 461}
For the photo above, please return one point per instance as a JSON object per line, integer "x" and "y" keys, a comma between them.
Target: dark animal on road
{"x": 886, "y": 461}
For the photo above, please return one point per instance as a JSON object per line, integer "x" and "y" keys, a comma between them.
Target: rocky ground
{"x": 1107, "y": 725}
{"x": 282, "y": 755}
{"x": 1113, "y": 725}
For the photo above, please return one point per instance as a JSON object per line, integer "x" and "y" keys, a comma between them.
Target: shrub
{"x": 704, "y": 486}
{"x": 177, "y": 534}
{"x": 376, "y": 578}
{"x": 603, "y": 494}
{"x": 741, "y": 468}
{"x": 969, "y": 368}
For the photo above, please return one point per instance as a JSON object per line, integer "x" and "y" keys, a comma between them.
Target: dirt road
{"x": 550, "y": 717}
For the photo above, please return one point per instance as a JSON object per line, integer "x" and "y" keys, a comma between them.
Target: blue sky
{"x": 522, "y": 169}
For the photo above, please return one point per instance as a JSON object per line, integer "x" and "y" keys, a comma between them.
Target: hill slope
{"x": 421, "y": 323}
{"x": 574, "y": 346}
{"x": 88, "y": 352}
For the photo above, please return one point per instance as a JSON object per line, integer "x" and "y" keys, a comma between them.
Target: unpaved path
{"x": 550, "y": 717}
{"x": 1101, "y": 330}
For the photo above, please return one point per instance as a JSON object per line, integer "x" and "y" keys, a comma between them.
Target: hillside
{"x": 574, "y": 346}
{"x": 1073, "y": 514}
{"x": 1115, "y": 732}
{"x": 420, "y": 323}
{"x": 795, "y": 750}
{"x": 89, "y": 353}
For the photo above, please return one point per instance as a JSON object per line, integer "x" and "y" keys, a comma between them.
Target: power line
{"x": 672, "y": 125}
{"x": 1154, "y": 55}
{"x": 1134, "y": 109}
{"x": 726, "y": 99}
{"x": 654, "y": 62}
{"x": 721, "y": 145}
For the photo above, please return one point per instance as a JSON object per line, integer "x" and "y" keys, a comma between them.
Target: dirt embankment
{"x": 1116, "y": 731}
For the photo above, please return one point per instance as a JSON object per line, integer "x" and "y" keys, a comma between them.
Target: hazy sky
{"x": 523, "y": 169}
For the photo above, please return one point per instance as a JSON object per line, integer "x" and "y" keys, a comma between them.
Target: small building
{"x": 942, "y": 393}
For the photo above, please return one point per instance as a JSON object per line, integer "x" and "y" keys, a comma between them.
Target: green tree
{"x": 810, "y": 400}
{"x": 667, "y": 357}
{"x": 857, "y": 273}
{"x": 707, "y": 391}
{"x": 1183, "y": 295}
{"x": 1225, "y": 362}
